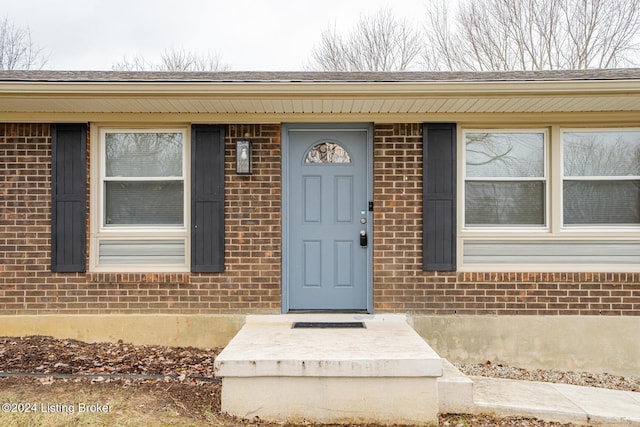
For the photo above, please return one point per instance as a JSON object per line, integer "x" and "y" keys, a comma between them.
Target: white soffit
{"x": 327, "y": 106}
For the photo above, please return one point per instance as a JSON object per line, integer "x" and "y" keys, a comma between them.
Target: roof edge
{"x": 316, "y": 77}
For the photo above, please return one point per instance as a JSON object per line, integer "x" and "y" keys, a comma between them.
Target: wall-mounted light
{"x": 244, "y": 161}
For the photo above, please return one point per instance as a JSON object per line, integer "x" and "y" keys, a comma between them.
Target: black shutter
{"x": 439, "y": 198}
{"x": 207, "y": 198}
{"x": 69, "y": 197}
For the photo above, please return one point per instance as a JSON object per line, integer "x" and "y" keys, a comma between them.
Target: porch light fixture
{"x": 244, "y": 161}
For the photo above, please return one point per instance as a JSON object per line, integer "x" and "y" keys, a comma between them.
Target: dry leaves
{"x": 43, "y": 355}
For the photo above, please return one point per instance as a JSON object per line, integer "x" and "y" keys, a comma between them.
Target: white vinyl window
{"x": 563, "y": 199}
{"x": 601, "y": 177}
{"x": 143, "y": 179}
{"x": 142, "y": 199}
{"x": 505, "y": 178}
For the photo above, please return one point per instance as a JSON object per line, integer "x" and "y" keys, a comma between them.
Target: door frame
{"x": 357, "y": 127}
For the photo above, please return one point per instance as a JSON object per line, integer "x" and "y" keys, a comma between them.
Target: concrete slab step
{"x": 385, "y": 373}
{"x": 557, "y": 402}
{"x": 455, "y": 390}
{"x": 267, "y": 345}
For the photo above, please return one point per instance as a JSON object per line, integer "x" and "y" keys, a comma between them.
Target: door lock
{"x": 363, "y": 238}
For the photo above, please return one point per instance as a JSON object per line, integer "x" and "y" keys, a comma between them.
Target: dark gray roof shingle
{"x": 301, "y": 76}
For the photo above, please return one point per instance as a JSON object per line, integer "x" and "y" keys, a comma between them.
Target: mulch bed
{"x": 40, "y": 354}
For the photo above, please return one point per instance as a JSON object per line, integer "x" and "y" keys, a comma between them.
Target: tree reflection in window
{"x": 327, "y": 152}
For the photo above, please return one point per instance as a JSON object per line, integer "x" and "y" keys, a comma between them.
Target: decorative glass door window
{"x": 327, "y": 152}
{"x": 505, "y": 178}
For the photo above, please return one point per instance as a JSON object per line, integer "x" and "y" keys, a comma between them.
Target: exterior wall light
{"x": 244, "y": 161}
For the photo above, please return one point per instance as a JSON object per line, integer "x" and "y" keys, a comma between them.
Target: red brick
{"x": 253, "y": 243}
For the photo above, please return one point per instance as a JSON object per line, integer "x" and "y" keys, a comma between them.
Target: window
{"x": 327, "y": 152}
{"x": 142, "y": 200}
{"x": 565, "y": 199}
{"x": 143, "y": 179}
{"x": 505, "y": 178}
{"x": 601, "y": 177}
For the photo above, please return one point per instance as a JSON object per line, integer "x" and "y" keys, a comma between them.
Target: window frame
{"x": 146, "y": 232}
{"x": 508, "y": 228}
{"x": 591, "y": 228}
{"x": 555, "y": 232}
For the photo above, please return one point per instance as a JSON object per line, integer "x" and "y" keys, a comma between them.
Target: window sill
{"x": 548, "y": 268}
{"x": 144, "y": 269}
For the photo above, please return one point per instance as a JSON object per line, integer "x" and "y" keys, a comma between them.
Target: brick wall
{"x": 400, "y": 284}
{"x": 252, "y": 282}
{"x": 25, "y": 218}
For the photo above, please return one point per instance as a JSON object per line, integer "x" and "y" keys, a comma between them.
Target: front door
{"x": 327, "y": 253}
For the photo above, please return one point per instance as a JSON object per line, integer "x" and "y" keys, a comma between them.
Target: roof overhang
{"x": 285, "y": 99}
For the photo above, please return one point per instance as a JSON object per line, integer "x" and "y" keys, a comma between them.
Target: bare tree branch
{"x": 330, "y": 54}
{"x": 532, "y": 34}
{"x": 379, "y": 42}
{"x": 174, "y": 60}
{"x": 17, "y": 50}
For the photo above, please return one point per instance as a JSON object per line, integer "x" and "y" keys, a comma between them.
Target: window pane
{"x": 607, "y": 153}
{"x": 327, "y": 152}
{"x": 504, "y": 203}
{"x": 601, "y": 202}
{"x": 504, "y": 154}
{"x": 143, "y": 154}
{"x": 144, "y": 203}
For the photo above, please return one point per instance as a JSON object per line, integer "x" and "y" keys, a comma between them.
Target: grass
{"x": 61, "y": 404}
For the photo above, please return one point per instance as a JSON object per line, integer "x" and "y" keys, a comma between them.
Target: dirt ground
{"x": 185, "y": 392}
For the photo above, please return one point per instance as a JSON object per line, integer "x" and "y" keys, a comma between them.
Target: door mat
{"x": 328, "y": 325}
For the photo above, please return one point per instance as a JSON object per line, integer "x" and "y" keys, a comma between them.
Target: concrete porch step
{"x": 384, "y": 373}
{"x": 455, "y": 390}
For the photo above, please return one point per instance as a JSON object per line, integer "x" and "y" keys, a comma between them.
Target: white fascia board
{"x": 320, "y": 89}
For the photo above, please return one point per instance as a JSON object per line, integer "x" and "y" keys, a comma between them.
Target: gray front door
{"x": 328, "y": 238}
